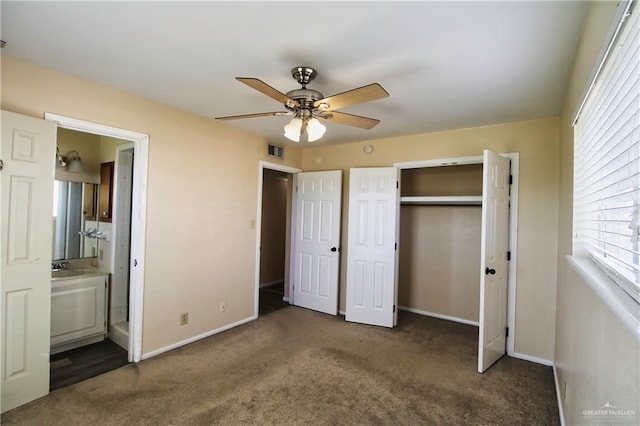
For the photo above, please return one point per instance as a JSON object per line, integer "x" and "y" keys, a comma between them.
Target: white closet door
{"x": 317, "y": 240}
{"x": 27, "y": 150}
{"x": 371, "y": 257}
{"x": 493, "y": 260}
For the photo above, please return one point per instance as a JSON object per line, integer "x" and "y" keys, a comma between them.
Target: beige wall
{"x": 202, "y": 197}
{"x": 537, "y": 143}
{"x": 108, "y": 148}
{"x": 274, "y": 220}
{"x": 88, "y": 147}
{"x": 595, "y": 355}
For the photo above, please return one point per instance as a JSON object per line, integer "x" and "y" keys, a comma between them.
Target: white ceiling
{"x": 446, "y": 65}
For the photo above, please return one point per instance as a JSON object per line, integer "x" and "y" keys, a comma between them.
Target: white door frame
{"x": 281, "y": 168}
{"x": 513, "y": 225}
{"x": 139, "y": 217}
{"x": 117, "y": 231}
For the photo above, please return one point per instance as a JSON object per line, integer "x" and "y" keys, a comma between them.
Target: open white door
{"x": 27, "y": 150}
{"x": 317, "y": 240}
{"x": 493, "y": 260}
{"x": 371, "y": 257}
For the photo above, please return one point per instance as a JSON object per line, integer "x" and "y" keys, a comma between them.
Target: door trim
{"x": 258, "y": 221}
{"x": 513, "y": 226}
{"x": 139, "y": 217}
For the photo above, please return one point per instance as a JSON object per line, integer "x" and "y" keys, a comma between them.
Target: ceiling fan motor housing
{"x": 305, "y": 97}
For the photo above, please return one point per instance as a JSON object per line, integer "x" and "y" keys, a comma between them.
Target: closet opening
{"x": 457, "y": 237}
{"x": 440, "y": 234}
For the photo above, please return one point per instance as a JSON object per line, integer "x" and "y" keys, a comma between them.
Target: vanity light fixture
{"x": 72, "y": 160}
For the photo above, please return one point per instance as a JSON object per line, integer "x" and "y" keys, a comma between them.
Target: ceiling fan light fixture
{"x": 292, "y": 129}
{"x": 315, "y": 130}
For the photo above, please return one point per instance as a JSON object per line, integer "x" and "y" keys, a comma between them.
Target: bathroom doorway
{"x": 121, "y": 199}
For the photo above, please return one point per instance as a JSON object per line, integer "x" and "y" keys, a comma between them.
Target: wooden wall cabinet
{"x": 105, "y": 206}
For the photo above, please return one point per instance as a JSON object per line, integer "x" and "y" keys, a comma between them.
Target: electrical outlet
{"x": 223, "y": 306}
{"x": 184, "y": 318}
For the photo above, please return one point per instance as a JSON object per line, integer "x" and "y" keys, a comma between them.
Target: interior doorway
{"x": 102, "y": 243}
{"x": 128, "y": 201}
{"x": 276, "y": 211}
{"x": 273, "y": 236}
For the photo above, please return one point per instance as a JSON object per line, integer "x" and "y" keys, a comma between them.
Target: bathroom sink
{"x": 66, "y": 273}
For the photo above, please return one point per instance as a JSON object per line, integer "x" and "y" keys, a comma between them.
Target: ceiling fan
{"x": 308, "y": 105}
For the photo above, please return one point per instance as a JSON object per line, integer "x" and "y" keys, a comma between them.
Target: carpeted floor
{"x": 296, "y": 366}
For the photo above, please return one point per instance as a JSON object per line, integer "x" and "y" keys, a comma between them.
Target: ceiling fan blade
{"x": 350, "y": 119}
{"x": 360, "y": 95}
{"x": 260, "y": 114}
{"x": 264, "y": 88}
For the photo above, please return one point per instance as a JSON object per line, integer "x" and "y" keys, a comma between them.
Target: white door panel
{"x": 317, "y": 239}
{"x": 371, "y": 257}
{"x": 26, "y": 191}
{"x": 493, "y": 257}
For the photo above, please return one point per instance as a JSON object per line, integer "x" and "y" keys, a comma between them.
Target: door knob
{"x": 489, "y": 271}
{"x": 334, "y": 249}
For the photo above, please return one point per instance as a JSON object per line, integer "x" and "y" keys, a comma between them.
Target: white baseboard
{"x": 285, "y": 299}
{"x": 270, "y": 283}
{"x": 559, "y": 395}
{"x": 198, "y": 337}
{"x": 439, "y": 316}
{"x": 532, "y": 359}
{"x": 343, "y": 313}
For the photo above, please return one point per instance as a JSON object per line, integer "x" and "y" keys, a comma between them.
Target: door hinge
{"x": 395, "y": 246}
{"x": 135, "y": 262}
{"x": 508, "y": 255}
{"x": 397, "y": 184}
{"x": 510, "y": 179}
{"x": 506, "y": 333}
{"x": 394, "y": 308}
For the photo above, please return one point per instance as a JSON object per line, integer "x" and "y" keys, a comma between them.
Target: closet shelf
{"x": 465, "y": 200}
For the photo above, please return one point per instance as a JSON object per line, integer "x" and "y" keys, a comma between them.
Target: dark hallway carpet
{"x": 298, "y": 367}
{"x": 270, "y": 299}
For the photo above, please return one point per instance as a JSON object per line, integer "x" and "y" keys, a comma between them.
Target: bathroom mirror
{"x": 75, "y": 224}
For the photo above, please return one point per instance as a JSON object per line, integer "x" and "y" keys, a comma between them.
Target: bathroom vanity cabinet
{"x": 78, "y": 311}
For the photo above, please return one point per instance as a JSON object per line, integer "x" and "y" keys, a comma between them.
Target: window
{"x": 607, "y": 163}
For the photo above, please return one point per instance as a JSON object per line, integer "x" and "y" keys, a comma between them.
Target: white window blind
{"x": 607, "y": 164}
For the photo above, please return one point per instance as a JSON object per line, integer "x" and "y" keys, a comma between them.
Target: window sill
{"x": 619, "y": 303}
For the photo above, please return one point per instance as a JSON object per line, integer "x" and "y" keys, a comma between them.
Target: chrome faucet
{"x": 59, "y": 266}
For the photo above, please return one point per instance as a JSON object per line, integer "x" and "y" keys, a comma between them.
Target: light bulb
{"x": 292, "y": 130}
{"x": 315, "y": 130}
